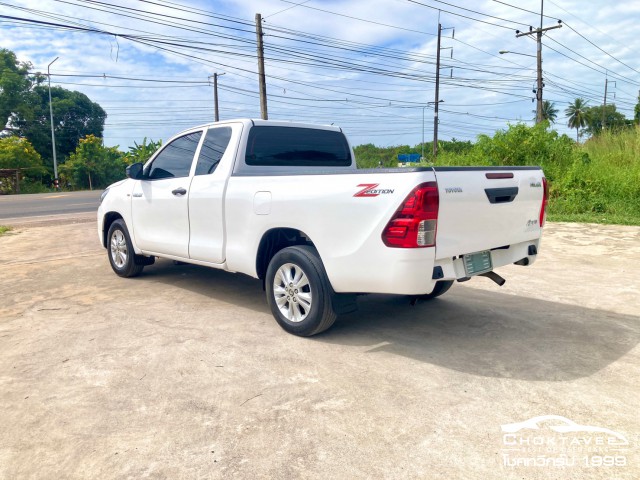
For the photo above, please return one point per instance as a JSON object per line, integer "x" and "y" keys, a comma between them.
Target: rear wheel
{"x": 298, "y": 291}
{"x": 120, "y": 250}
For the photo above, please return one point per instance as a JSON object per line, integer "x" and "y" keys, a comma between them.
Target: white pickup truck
{"x": 285, "y": 203}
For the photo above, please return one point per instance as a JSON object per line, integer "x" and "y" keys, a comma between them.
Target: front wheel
{"x": 298, "y": 291}
{"x": 120, "y": 249}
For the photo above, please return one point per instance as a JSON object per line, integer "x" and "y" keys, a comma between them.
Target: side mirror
{"x": 135, "y": 171}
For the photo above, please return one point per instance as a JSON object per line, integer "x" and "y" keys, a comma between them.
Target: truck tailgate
{"x": 483, "y": 208}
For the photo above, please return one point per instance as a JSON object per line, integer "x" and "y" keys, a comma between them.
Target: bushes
{"x": 614, "y": 166}
{"x": 16, "y": 152}
{"x": 92, "y": 165}
{"x": 598, "y": 181}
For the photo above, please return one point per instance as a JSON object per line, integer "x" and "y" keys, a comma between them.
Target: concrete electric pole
{"x": 538, "y": 32}
{"x": 437, "y": 100}
{"x": 261, "y": 80}
{"x": 215, "y": 95}
{"x": 604, "y": 106}
{"x": 53, "y": 135}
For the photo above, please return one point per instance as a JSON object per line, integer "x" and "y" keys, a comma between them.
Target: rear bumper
{"x": 411, "y": 271}
{"x": 453, "y": 267}
{"x": 403, "y": 271}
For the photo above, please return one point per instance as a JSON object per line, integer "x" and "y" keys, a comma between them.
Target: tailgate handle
{"x": 501, "y": 195}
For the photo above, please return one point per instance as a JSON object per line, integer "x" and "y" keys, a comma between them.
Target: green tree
{"x": 636, "y": 111}
{"x": 577, "y": 113}
{"x": 15, "y": 84}
{"x": 370, "y": 156}
{"x": 454, "y": 146}
{"x": 141, "y": 152}
{"x": 19, "y": 153}
{"x": 549, "y": 111}
{"x": 93, "y": 165}
{"x": 74, "y": 114}
{"x": 24, "y": 110}
{"x": 614, "y": 120}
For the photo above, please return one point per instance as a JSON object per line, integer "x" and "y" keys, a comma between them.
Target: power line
{"x": 362, "y": 19}
{"x": 471, "y": 11}
{"x": 603, "y": 69}
{"x": 284, "y": 50}
{"x": 288, "y": 8}
{"x": 525, "y": 10}
{"x": 602, "y": 50}
{"x": 466, "y": 16}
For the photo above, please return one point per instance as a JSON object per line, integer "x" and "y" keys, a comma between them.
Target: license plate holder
{"x": 477, "y": 263}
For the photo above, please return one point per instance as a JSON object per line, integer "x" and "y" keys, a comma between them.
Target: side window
{"x": 176, "y": 158}
{"x": 213, "y": 148}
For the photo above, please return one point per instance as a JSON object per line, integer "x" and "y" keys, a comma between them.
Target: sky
{"x": 367, "y": 66}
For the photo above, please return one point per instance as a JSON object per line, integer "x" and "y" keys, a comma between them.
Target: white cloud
{"x": 381, "y": 109}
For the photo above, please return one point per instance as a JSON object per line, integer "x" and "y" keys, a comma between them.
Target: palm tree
{"x": 578, "y": 114}
{"x": 549, "y": 111}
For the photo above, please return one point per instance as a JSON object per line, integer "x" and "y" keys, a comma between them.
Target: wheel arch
{"x": 109, "y": 218}
{"x": 273, "y": 241}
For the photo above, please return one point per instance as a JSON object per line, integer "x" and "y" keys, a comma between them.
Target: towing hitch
{"x": 495, "y": 277}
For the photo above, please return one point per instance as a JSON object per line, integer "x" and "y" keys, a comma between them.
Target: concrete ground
{"x": 183, "y": 373}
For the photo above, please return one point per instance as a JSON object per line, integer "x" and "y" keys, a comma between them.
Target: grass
{"x": 607, "y": 179}
{"x": 4, "y": 230}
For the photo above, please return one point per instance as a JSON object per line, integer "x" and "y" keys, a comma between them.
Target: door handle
{"x": 179, "y": 191}
{"x": 501, "y": 195}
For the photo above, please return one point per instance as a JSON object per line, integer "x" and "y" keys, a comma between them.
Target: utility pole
{"x": 425, "y": 106}
{"x": 53, "y": 135}
{"x": 261, "y": 80}
{"x": 539, "y": 76}
{"x": 215, "y": 95}
{"x": 437, "y": 101}
{"x": 538, "y": 32}
{"x": 604, "y": 106}
{"x": 422, "y": 156}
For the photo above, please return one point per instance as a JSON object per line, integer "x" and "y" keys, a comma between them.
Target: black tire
{"x": 308, "y": 308}
{"x": 441, "y": 288}
{"x": 120, "y": 251}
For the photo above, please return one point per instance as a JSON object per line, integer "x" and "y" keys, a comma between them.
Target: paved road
{"x": 45, "y": 204}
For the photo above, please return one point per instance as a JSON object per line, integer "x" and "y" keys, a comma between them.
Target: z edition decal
{"x": 372, "y": 190}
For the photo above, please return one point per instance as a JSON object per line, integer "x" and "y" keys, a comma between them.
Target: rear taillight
{"x": 545, "y": 200}
{"x": 414, "y": 224}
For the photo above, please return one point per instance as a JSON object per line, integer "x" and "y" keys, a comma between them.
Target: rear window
{"x": 213, "y": 148}
{"x": 299, "y": 147}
